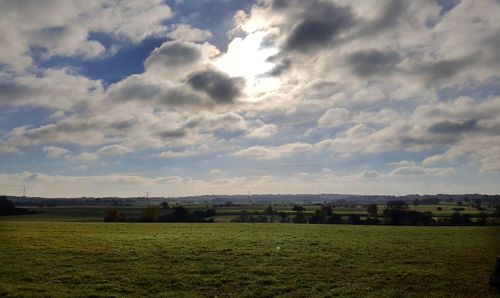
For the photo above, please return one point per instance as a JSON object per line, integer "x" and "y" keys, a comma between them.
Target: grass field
{"x": 244, "y": 260}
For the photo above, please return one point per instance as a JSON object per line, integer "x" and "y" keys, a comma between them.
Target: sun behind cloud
{"x": 249, "y": 58}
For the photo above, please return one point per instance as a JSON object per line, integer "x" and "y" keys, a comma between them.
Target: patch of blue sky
{"x": 129, "y": 59}
{"x": 216, "y": 16}
{"x": 26, "y": 116}
{"x": 481, "y": 91}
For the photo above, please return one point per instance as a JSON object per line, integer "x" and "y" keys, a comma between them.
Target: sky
{"x": 175, "y": 98}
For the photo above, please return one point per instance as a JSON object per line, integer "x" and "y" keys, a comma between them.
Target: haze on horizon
{"x": 120, "y": 98}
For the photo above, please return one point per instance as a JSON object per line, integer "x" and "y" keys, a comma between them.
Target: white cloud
{"x": 8, "y": 149}
{"x": 57, "y": 114}
{"x": 59, "y": 89}
{"x": 187, "y": 33}
{"x": 334, "y": 117}
{"x": 263, "y": 131}
{"x": 54, "y": 152}
{"x": 113, "y": 150}
{"x": 84, "y": 157}
{"x": 273, "y": 152}
{"x": 63, "y": 27}
{"x": 376, "y": 87}
{"x": 215, "y": 172}
{"x": 416, "y": 170}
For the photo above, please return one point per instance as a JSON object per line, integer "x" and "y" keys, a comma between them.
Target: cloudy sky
{"x": 105, "y": 98}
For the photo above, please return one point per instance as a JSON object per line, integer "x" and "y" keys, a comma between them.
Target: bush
{"x": 372, "y": 221}
{"x": 299, "y": 218}
{"x": 317, "y": 218}
{"x": 354, "y": 219}
{"x": 372, "y": 210}
{"x": 334, "y": 219}
{"x": 283, "y": 217}
{"x": 6, "y": 206}
{"x": 113, "y": 215}
{"x": 151, "y": 213}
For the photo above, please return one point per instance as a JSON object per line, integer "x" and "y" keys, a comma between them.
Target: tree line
{"x": 396, "y": 212}
{"x": 152, "y": 213}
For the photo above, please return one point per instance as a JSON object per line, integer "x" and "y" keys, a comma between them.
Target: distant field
{"x": 224, "y": 214}
{"x": 244, "y": 260}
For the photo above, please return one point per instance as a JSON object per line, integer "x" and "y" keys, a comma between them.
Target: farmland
{"x": 252, "y": 260}
{"x": 223, "y": 213}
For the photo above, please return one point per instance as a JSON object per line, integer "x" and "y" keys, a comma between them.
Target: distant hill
{"x": 244, "y": 199}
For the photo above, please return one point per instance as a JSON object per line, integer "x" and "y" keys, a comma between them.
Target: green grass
{"x": 243, "y": 260}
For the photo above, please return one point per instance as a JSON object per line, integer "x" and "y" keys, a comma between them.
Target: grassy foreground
{"x": 253, "y": 260}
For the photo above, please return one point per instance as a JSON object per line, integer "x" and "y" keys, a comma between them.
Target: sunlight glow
{"x": 245, "y": 57}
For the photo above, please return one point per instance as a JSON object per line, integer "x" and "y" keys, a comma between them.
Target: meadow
{"x": 88, "y": 259}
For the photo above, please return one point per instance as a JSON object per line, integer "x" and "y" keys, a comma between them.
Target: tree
{"x": 482, "y": 218}
{"x": 113, "y": 215}
{"x": 317, "y": 218}
{"x": 299, "y": 218}
{"x": 354, "y": 219}
{"x": 181, "y": 214}
{"x": 298, "y": 208}
{"x": 327, "y": 210}
{"x": 151, "y": 213}
{"x": 397, "y": 205}
{"x": 372, "y": 210}
{"x": 418, "y": 218}
{"x": 204, "y": 216}
{"x": 395, "y": 212}
{"x": 283, "y": 217}
{"x": 455, "y": 218}
{"x": 164, "y": 205}
{"x": 270, "y": 209}
{"x": 334, "y": 219}
{"x": 6, "y": 206}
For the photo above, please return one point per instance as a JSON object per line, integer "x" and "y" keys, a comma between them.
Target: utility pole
{"x": 24, "y": 191}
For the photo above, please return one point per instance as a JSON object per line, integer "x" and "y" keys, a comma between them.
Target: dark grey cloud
{"x": 10, "y": 92}
{"x": 135, "y": 89}
{"x": 180, "y": 97}
{"x": 443, "y": 69}
{"x": 173, "y": 134}
{"x": 280, "y": 4}
{"x": 373, "y": 62}
{"x": 319, "y": 25}
{"x": 217, "y": 85}
{"x": 173, "y": 54}
{"x": 452, "y": 127}
{"x": 178, "y": 53}
{"x": 171, "y": 95}
{"x": 124, "y": 125}
{"x": 281, "y": 66}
